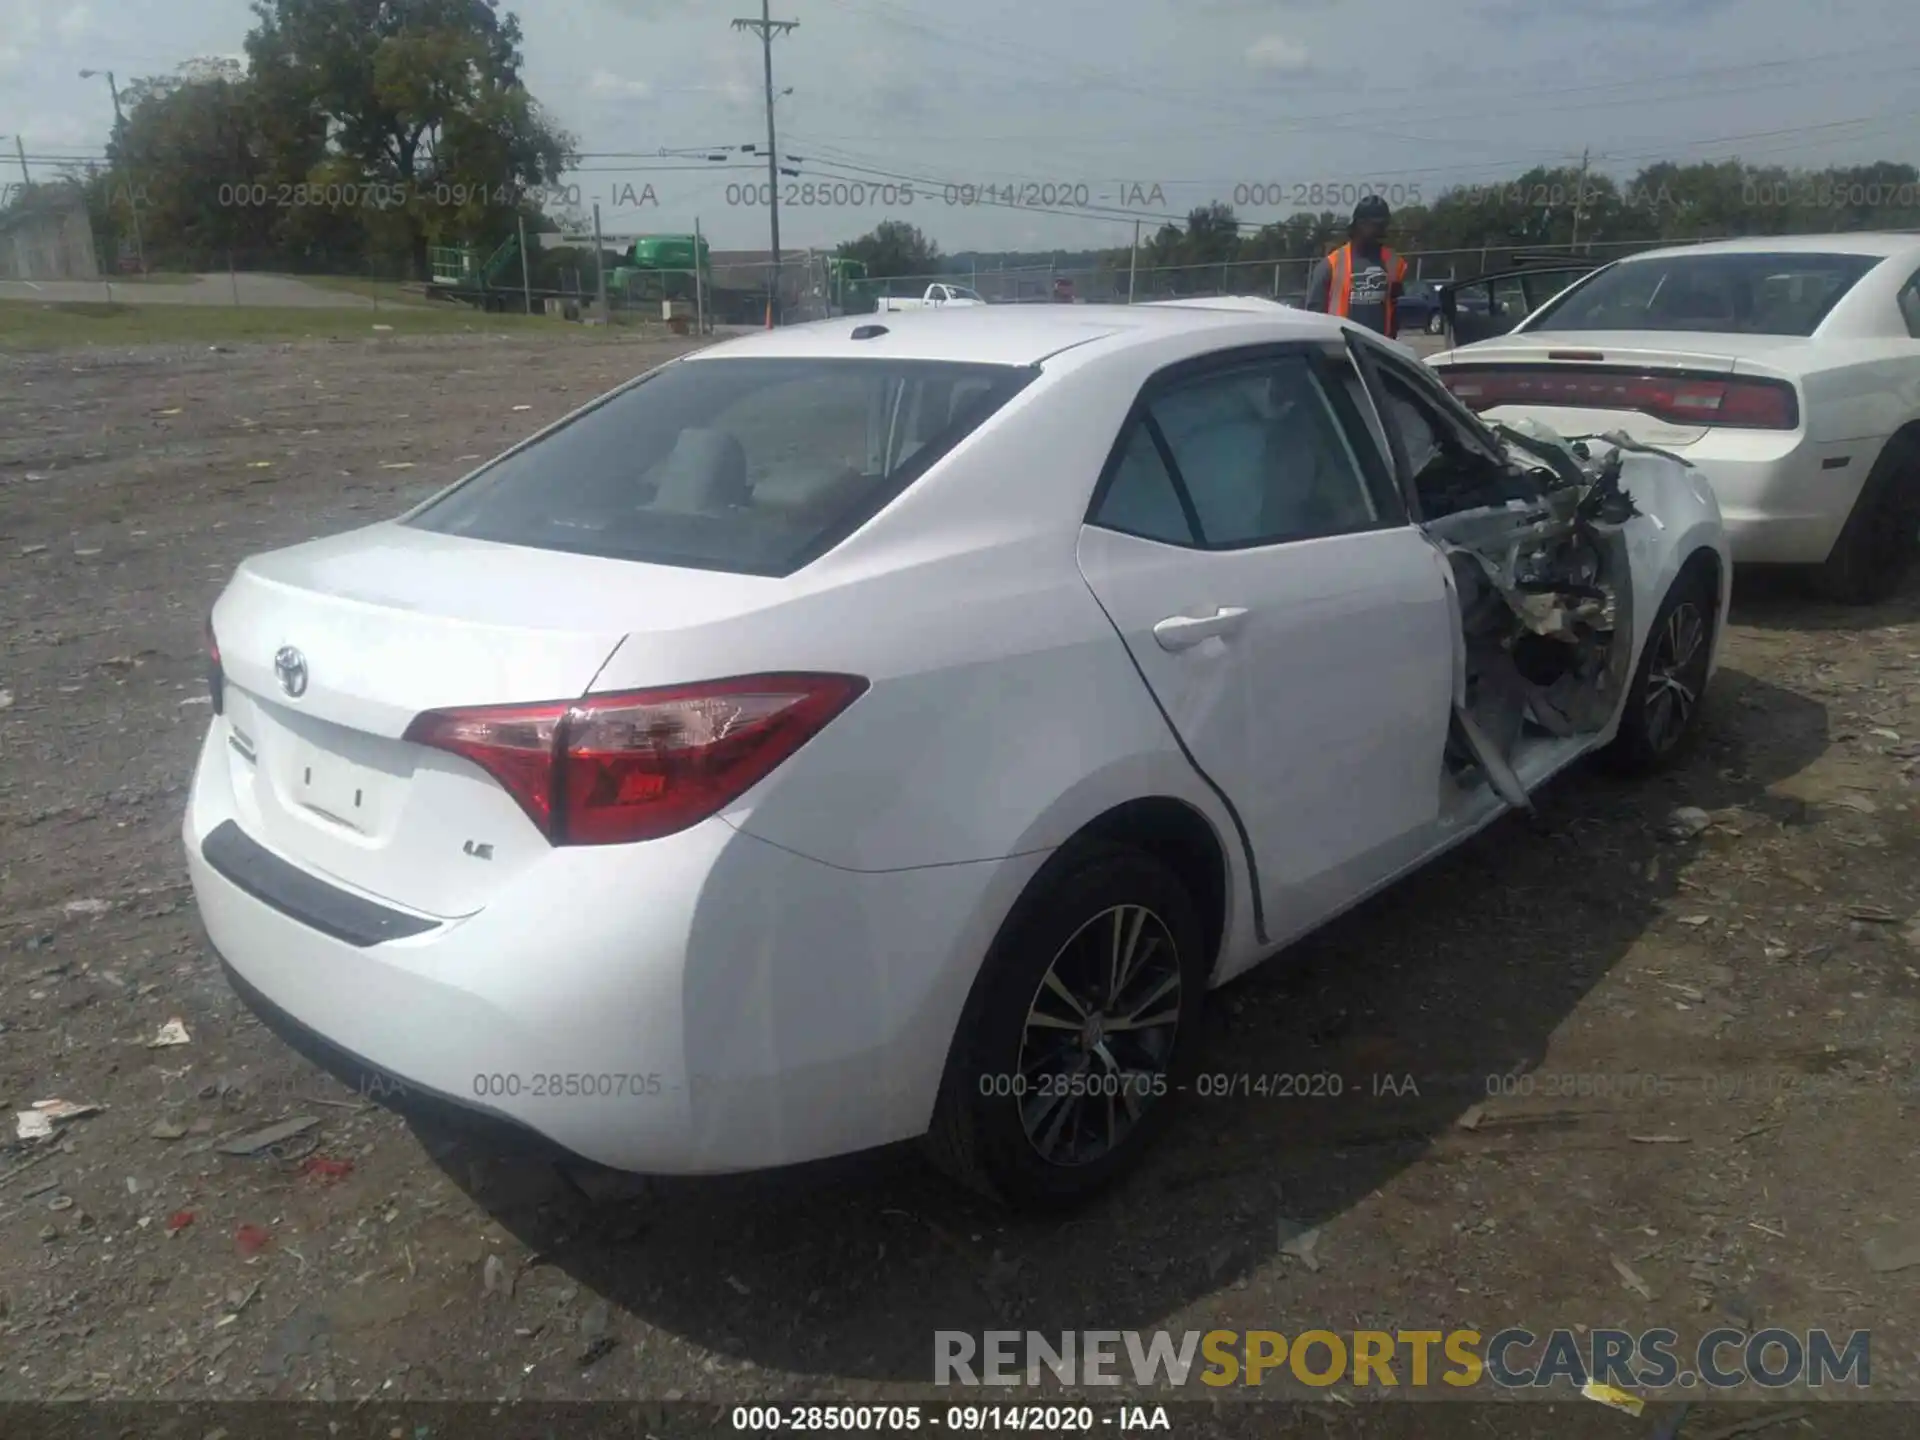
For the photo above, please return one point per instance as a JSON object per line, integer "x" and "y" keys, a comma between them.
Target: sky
{"x": 1003, "y": 125}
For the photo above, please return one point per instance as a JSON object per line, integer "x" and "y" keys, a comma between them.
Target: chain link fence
{"x": 566, "y": 283}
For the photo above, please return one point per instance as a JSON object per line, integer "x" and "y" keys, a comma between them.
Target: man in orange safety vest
{"x": 1363, "y": 279}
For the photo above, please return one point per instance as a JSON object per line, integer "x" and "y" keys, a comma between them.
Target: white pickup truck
{"x": 938, "y": 297}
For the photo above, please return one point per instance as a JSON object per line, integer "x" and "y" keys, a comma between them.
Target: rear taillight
{"x": 216, "y": 676}
{"x": 1750, "y": 404}
{"x": 640, "y": 764}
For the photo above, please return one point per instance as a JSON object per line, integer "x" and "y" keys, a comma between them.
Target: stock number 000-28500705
{"x": 898, "y": 1419}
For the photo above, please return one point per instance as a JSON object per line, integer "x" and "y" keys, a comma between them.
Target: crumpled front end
{"x": 1547, "y": 602}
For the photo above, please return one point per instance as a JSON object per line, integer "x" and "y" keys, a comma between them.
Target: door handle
{"x": 1178, "y": 632}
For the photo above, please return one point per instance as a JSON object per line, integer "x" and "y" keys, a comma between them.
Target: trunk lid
{"x": 390, "y": 621}
{"x": 1573, "y": 352}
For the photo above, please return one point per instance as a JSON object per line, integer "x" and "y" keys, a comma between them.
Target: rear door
{"x": 1494, "y": 304}
{"x": 1250, "y": 546}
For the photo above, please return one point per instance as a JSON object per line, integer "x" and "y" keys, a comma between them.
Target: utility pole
{"x": 20, "y": 149}
{"x": 699, "y": 289}
{"x": 113, "y": 89}
{"x": 600, "y": 269}
{"x": 1579, "y": 201}
{"x": 139, "y": 240}
{"x": 1133, "y": 261}
{"x": 526, "y": 270}
{"x": 766, "y": 27}
{"x": 119, "y": 128}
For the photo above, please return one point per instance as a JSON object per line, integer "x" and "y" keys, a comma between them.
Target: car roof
{"x": 1015, "y": 334}
{"x": 1864, "y": 242}
{"x": 1258, "y": 304}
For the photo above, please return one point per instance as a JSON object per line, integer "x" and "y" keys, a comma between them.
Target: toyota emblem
{"x": 291, "y": 666}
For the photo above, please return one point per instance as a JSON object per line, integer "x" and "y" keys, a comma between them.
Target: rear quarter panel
{"x": 1861, "y": 390}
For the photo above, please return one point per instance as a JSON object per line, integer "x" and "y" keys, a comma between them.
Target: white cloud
{"x": 605, "y": 82}
{"x": 75, "y": 24}
{"x": 1279, "y": 54}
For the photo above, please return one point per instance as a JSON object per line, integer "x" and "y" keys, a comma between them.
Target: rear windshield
{"x": 1787, "y": 294}
{"x": 750, "y": 466}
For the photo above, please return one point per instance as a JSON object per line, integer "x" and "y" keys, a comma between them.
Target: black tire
{"x": 1881, "y": 538}
{"x": 978, "y": 1135}
{"x": 1648, "y": 741}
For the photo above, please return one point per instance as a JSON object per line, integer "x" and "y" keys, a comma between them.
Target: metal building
{"x": 45, "y": 235}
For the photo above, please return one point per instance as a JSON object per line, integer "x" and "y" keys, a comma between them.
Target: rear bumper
{"x": 399, "y": 1093}
{"x": 705, "y": 1003}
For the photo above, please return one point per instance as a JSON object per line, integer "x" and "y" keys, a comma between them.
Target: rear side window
{"x": 1142, "y": 499}
{"x": 1255, "y": 455}
{"x": 751, "y": 466}
{"x": 1730, "y": 294}
{"x": 1910, "y": 304}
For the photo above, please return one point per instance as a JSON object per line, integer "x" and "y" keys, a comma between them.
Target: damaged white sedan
{"x": 887, "y": 729}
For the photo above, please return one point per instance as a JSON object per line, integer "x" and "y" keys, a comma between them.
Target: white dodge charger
{"x": 1787, "y": 368}
{"x": 893, "y": 727}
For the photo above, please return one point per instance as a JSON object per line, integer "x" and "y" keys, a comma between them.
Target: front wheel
{"x": 1436, "y": 323}
{"x": 1079, "y": 1034}
{"x": 1663, "y": 702}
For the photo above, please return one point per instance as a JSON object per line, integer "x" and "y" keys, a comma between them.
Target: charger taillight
{"x": 640, "y": 764}
{"x": 216, "y": 675}
{"x": 1747, "y": 403}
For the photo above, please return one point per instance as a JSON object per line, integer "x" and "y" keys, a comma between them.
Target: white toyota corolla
{"x": 1786, "y": 368}
{"x": 893, "y": 727}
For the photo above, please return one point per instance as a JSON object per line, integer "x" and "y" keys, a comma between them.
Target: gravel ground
{"x": 1707, "y": 1037}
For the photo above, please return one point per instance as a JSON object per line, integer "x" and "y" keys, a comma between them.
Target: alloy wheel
{"x": 1676, "y": 674}
{"x": 1099, "y": 1036}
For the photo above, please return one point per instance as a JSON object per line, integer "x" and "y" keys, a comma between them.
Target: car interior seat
{"x": 704, "y": 474}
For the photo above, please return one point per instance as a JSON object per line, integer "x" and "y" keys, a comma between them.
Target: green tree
{"x": 188, "y": 155}
{"x": 423, "y": 96}
{"x": 1212, "y": 237}
{"x": 893, "y": 248}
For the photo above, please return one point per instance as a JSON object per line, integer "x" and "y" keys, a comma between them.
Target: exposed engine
{"x": 1544, "y": 597}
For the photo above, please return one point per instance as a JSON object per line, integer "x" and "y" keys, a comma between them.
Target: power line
{"x": 1055, "y": 62}
{"x": 854, "y": 159}
{"x": 1481, "y": 112}
{"x": 1210, "y": 98}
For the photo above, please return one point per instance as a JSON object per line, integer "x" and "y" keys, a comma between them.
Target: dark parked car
{"x": 1493, "y": 304}
{"x": 1422, "y": 306}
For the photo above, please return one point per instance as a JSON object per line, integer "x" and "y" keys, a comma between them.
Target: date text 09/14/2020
{"x": 961, "y": 1419}
{"x": 1209, "y": 1085}
{"x": 1124, "y": 195}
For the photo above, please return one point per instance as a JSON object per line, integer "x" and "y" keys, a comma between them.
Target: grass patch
{"x": 90, "y": 309}
{"x": 381, "y": 292}
{"x": 33, "y": 325}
